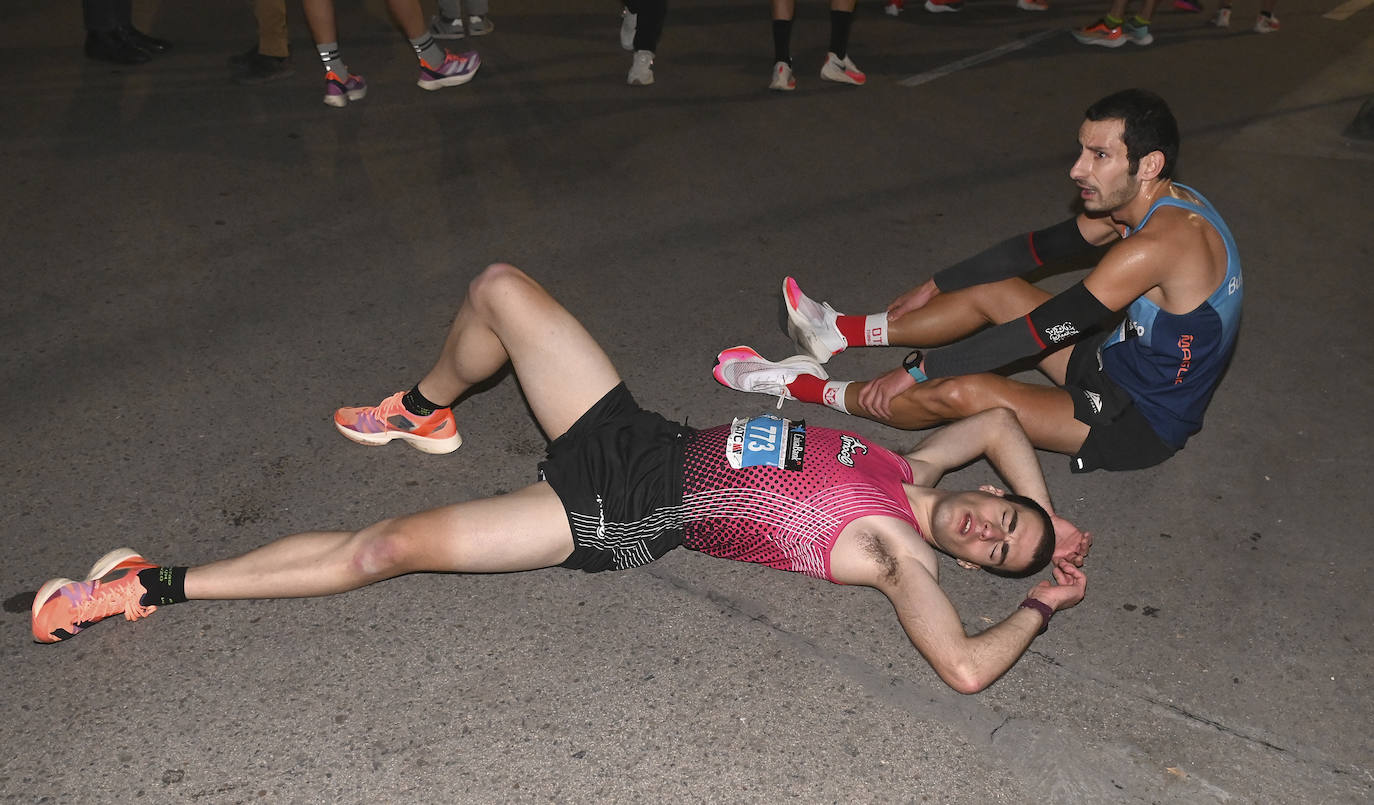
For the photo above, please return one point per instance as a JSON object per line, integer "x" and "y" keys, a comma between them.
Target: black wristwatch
{"x": 912, "y": 365}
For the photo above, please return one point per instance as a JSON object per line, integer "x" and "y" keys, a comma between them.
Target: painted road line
{"x": 1011, "y": 47}
{"x": 1347, "y": 9}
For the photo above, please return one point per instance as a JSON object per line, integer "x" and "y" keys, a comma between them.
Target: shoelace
{"x": 107, "y": 600}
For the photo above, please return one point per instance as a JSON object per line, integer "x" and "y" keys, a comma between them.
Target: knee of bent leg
{"x": 498, "y": 282}
{"x": 965, "y": 395}
{"x": 385, "y": 549}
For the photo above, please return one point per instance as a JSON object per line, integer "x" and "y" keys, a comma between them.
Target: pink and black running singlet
{"x": 785, "y": 512}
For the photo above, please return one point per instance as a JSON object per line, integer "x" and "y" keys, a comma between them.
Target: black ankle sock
{"x": 165, "y": 585}
{"x": 839, "y": 31}
{"x": 782, "y": 41}
{"x": 416, "y": 403}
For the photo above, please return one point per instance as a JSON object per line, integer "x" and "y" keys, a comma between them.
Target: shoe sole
{"x": 844, "y": 78}
{"x": 39, "y": 599}
{"x": 340, "y": 101}
{"x": 425, "y": 444}
{"x": 798, "y": 329}
{"x": 1106, "y": 43}
{"x": 110, "y": 561}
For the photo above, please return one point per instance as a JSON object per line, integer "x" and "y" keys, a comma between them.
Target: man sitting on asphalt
{"x": 1125, "y": 398}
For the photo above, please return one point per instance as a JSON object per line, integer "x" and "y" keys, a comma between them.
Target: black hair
{"x": 1044, "y": 551}
{"x": 1149, "y": 126}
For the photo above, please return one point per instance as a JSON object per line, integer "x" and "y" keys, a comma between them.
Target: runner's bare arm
{"x": 969, "y": 663}
{"x": 994, "y": 433}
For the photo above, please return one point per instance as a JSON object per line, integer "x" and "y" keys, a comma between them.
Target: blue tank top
{"x": 1171, "y": 363}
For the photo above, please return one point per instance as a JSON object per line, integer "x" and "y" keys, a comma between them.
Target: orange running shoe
{"x": 63, "y": 607}
{"x": 1100, "y": 33}
{"x": 379, "y": 424}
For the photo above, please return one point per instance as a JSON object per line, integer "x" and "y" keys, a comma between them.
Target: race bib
{"x": 766, "y": 441}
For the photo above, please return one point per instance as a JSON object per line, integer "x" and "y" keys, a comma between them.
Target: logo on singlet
{"x": 848, "y": 446}
{"x": 1185, "y": 345}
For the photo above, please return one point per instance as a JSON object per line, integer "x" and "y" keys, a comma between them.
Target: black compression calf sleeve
{"x": 1064, "y": 239}
{"x": 1059, "y": 319}
{"x": 1066, "y": 316}
{"x": 1014, "y": 256}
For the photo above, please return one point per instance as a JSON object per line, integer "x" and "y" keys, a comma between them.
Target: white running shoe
{"x": 811, "y": 325}
{"x": 1222, "y": 19}
{"x": 743, "y": 369}
{"x": 641, "y": 69}
{"x": 628, "y": 23}
{"x": 783, "y": 80}
{"x": 441, "y": 28}
{"x": 842, "y": 71}
{"x": 1266, "y": 25}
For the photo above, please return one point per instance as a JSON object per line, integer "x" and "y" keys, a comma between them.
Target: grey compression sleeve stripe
{"x": 1059, "y": 319}
{"x": 1014, "y": 256}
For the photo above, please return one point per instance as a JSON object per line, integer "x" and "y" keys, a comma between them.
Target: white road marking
{"x": 1347, "y": 9}
{"x": 978, "y": 58}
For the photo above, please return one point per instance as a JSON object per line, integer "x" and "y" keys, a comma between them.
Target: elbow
{"x": 966, "y": 680}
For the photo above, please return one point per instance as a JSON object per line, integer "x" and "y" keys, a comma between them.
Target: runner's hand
{"x": 877, "y": 394}
{"x": 1068, "y": 589}
{"x": 1070, "y": 543}
{"x": 914, "y": 299}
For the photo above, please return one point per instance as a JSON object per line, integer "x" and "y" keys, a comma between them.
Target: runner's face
{"x": 1102, "y": 171}
{"x": 987, "y": 530}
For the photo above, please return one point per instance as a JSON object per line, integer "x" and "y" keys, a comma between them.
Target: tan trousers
{"x": 272, "y": 37}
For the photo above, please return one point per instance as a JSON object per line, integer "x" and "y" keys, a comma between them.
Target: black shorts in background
{"x": 1119, "y": 436}
{"x": 618, "y": 472}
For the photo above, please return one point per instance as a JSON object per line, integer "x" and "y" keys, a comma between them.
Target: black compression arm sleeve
{"x": 1059, "y": 319}
{"x": 1015, "y": 256}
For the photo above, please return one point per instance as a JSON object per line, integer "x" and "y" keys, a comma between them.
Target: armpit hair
{"x": 874, "y": 546}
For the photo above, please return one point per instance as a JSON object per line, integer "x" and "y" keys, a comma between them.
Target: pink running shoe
{"x": 379, "y": 424}
{"x": 743, "y": 369}
{"x": 338, "y": 93}
{"x": 458, "y": 68}
{"x": 63, "y": 607}
{"x": 811, "y": 325}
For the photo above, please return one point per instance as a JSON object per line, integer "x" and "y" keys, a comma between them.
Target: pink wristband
{"x": 1045, "y": 610}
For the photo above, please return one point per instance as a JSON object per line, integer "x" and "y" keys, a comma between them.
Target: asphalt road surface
{"x": 195, "y": 274}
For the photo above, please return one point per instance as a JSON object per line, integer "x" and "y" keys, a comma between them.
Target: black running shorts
{"x": 618, "y": 471}
{"x": 1120, "y": 438}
